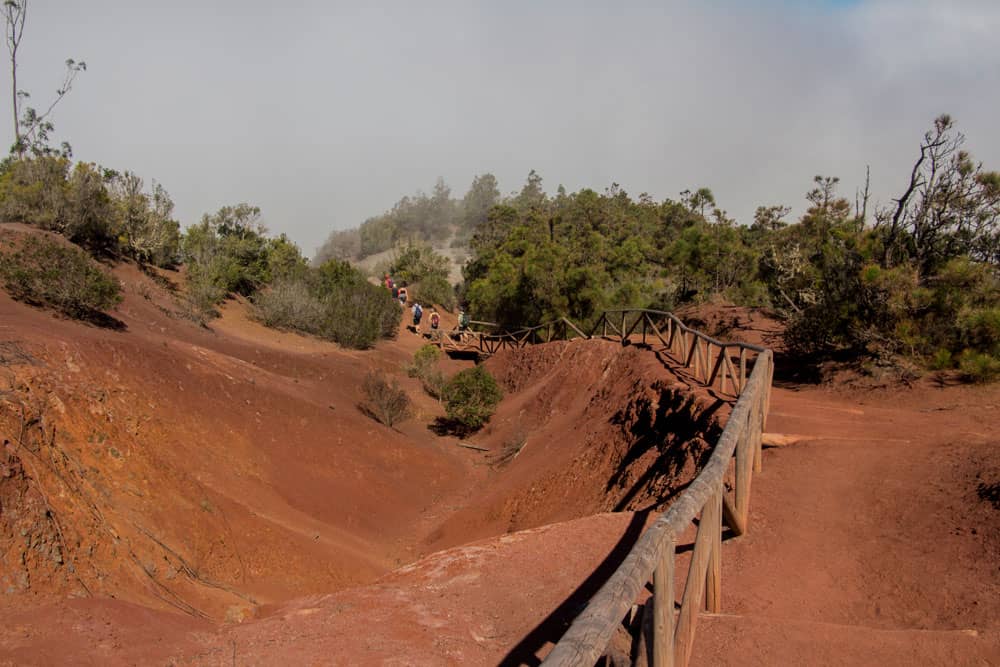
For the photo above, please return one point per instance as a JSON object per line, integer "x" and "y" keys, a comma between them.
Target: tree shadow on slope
{"x": 558, "y": 621}
{"x": 678, "y": 428}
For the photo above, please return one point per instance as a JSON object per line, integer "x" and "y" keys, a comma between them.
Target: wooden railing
{"x": 719, "y": 496}
{"x": 666, "y": 627}
{"x": 713, "y": 363}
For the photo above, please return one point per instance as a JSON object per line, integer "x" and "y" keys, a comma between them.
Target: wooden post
{"x": 737, "y": 390}
{"x": 744, "y": 464}
{"x": 724, "y": 359}
{"x": 623, "y": 327}
{"x": 743, "y": 368}
{"x": 644, "y": 328}
{"x": 713, "y": 580}
{"x": 756, "y": 431}
{"x": 706, "y": 368}
{"x": 694, "y": 589}
{"x": 663, "y": 607}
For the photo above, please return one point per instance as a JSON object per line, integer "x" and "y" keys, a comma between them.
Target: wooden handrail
{"x": 653, "y": 554}
{"x": 710, "y": 361}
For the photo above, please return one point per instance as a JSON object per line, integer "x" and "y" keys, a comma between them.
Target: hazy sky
{"x": 324, "y": 113}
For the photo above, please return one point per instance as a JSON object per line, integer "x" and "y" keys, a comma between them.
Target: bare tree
{"x": 950, "y": 207}
{"x": 31, "y": 129}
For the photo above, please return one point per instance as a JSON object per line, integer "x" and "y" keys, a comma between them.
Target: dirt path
{"x": 869, "y": 542}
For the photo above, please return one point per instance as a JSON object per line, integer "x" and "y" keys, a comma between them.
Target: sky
{"x": 324, "y": 113}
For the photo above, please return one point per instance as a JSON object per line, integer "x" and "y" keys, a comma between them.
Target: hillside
{"x": 178, "y": 494}
{"x": 216, "y": 472}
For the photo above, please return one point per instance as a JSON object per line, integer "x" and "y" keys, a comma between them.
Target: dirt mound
{"x": 472, "y": 605}
{"x": 738, "y": 324}
{"x": 201, "y": 470}
{"x": 586, "y": 427}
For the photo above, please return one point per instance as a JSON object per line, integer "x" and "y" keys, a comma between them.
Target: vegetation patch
{"x": 470, "y": 398}
{"x": 47, "y": 273}
{"x": 424, "y": 368}
{"x": 333, "y": 302}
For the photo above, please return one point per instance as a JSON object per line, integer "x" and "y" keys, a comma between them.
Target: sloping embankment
{"x": 586, "y": 427}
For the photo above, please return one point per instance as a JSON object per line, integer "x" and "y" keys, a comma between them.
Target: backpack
{"x": 417, "y": 310}
{"x": 435, "y": 319}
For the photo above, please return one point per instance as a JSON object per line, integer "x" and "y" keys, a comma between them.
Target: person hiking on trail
{"x": 418, "y": 312}
{"x": 463, "y": 323}
{"x": 435, "y": 319}
{"x": 395, "y": 290}
{"x": 402, "y": 294}
{"x": 388, "y": 282}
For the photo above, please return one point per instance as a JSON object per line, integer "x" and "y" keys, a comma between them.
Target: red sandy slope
{"x": 230, "y": 474}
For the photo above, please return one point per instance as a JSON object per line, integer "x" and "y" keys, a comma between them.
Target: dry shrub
{"x": 386, "y": 402}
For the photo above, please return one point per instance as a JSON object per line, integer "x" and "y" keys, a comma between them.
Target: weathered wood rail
{"x": 713, "y": 363}
{"x": 718, "y": 497}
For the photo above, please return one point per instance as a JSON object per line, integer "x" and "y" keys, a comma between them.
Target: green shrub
{"x": 424, "y": 367}
{"x": 360, "y": 315}
{"x": 980, "y": 329}
{"x": 33, "y": 191}
{"x": 147, "y": 231}
{"x": 471, "y": 397}
{"x": 941, "y": 360}
{"x": 288, "y": 304}
{"x": 386, "y": 402}
{"x": 91, "y": 220}
{"x": 435, "y": 289}
{"x": 43, "y": 192}
{"x": 979, "y": 366}
{"x": 423, "y": 360}
{"x": 199, "y": 301}
{"x": 334, "y": 302}
{"x": 414, "y": 262}
{"x": 46, "y": 273}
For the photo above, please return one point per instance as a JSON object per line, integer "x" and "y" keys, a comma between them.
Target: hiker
{"x": 402, "y": 295}
{"x": 435, "y": 319}
{"x": 418, "y": 312}
{"x": 463, "y": 323}
{"x": 388, "y": 282}
{"x": 395, "y": 291}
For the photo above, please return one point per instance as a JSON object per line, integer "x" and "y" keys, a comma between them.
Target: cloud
{"x": 326, "y": 113}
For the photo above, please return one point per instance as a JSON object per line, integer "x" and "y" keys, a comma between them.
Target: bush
{"x": 289, "y": 304}
{"x": 415, "y": 262}
{"x": 147, "y": 231}
{"x": 435, "y": 289}
{"x": 198, "y": 303}
{"x": 979, "y": 367}
{"x": 980, "y": 329}
{"x": 471, "y": 397}
{"x": 386, "y": 402}
{"x": 424, "y": 359}
{"x": 46, "y": 273}
{"x": 359, "y": 315}
{"x": 424, "y": 367}
{"x": 33, "y": 191}
{"x": 333, "y": 302}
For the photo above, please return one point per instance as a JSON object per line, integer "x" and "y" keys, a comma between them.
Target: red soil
{"x": 230, "y": 473}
